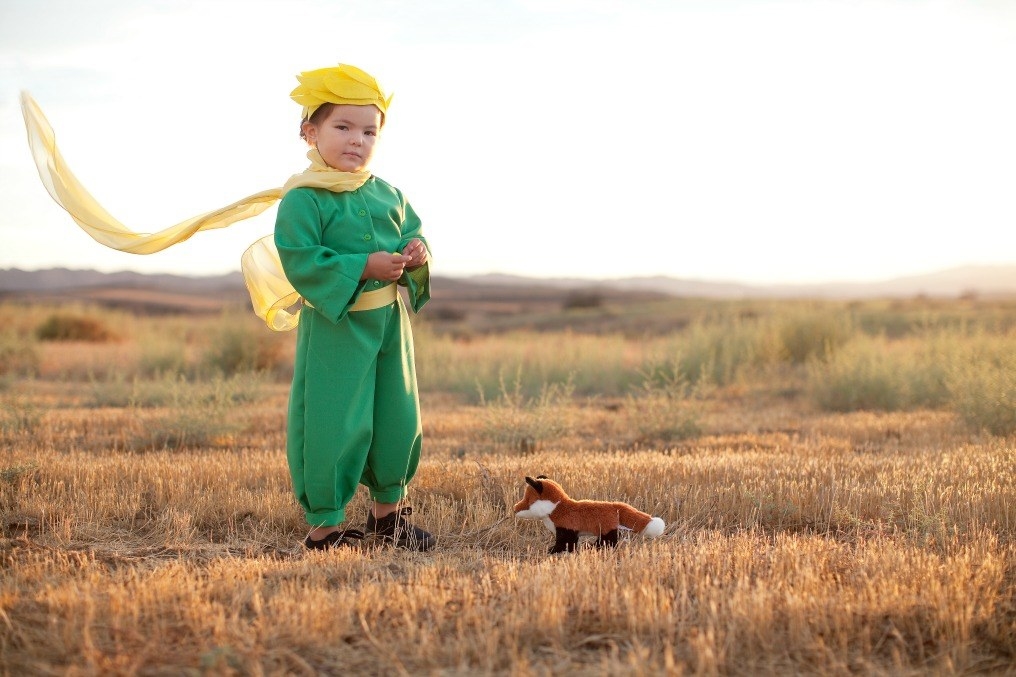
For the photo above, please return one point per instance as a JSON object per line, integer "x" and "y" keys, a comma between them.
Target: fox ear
{"x": 542, "y": 477}
{"x": 535, "y": 485}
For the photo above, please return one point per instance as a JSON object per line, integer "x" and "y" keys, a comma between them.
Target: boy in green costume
{"x": 354, "y": 413}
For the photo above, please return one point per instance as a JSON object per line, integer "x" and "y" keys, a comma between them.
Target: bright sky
{"x": 754, "y": 140}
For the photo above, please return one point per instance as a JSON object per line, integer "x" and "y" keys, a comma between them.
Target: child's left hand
{"x": 417, "y": 253}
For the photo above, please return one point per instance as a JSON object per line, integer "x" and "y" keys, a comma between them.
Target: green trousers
{"x": 354, "y": 410}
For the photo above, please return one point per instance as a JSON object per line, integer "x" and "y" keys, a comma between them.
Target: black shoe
{"x": 395, "y": 529}
{"x": 336, "y": 539}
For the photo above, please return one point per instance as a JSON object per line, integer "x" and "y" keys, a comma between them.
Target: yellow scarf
{"x": 270, "y": 292}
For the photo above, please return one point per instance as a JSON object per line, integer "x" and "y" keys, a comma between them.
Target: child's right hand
{"x": 384, "y": 266}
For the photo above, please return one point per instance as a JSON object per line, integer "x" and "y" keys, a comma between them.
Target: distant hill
{"x": 127, "y": 290}
{"x": 985, "y": 280}
{"x": 489, "y": 293}
{"x": 13, "y": 279}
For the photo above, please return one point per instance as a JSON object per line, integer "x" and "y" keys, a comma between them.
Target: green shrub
{"x": 817, "y": 335}
{"x": 198, "y": 414}
{"x": 239, "y": 346}
{"x": 15, "y": 483}
{"x": 858, "y": 380}
{"x": 19, "y": 416}
{"x": 875, "y": 374}
{"x": 474, "y": 367}
{"x": 664, "y": 409}
{"x": 515, "y": 422}
{"x": 174, "y": 390}
{"x": 18, "y": 356}
{"x": 12, "y": 473}
{"x": 159, "y": 357}
{"x": 60, "y": 327}
{"x": 583, "y": 298}
{"x": 717, "y": 352}
{"x": 983, "y": 389}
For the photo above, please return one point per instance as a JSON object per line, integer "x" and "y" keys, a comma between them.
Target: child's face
{"x": 345, "y": 139}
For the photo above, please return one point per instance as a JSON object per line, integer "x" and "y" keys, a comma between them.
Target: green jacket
{"x": 324, "y": 239}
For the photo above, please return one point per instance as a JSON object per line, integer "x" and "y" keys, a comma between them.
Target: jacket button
{"x": 363, "y": 212}
{"x": 366, "y": 236}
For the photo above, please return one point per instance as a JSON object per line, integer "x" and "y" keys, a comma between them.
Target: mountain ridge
{"x": 988, "y": 280}
{"x": 993, "y": 279}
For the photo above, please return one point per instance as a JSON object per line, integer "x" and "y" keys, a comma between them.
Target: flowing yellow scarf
{"x": 271, "y": 294}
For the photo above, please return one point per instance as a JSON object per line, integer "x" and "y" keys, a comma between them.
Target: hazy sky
{"x": 757, "y": 141}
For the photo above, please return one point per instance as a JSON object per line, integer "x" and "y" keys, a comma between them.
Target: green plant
{"x": 59, "y": 327}
{"x": 983, "y": 391}
{"x": 474, "y": 366}
{"x": 718, "y": 350}
{"x": 159, "y": 357}
{"x": 239, "y": 347}
{"x": 194, "y": 414}
{"x": 583, "y": 298}
{"x": 663, "y": 409}
{"x": 519, "y": 423}
{"x": 812, "y": 335}
{"x": 876, "y": 374}
{"x": 858, "y": 378}
{"x": 173, "y": 390}
{"x": 12, "y": 484}
{"x": 20, "y": 416}
{"x": 13, "y": 473}
{"x": 18, "y": 355}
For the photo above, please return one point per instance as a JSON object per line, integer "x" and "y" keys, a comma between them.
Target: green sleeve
{"x": 417, "y": 282}
{"x": 328, "y": 280}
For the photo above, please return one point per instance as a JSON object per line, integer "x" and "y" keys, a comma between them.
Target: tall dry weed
{"x": 515, "y": 422}
{"x": 20, "y": 416}
{"x": 874, "y": 374}
{"x": 19, "y": 357}
{"x": 983, "y": 386}
{"x": 238, "y": 345}
{"x": 196, "y": 415}
{"x": 474, "y": 367}
{"x": 665, "y": 408}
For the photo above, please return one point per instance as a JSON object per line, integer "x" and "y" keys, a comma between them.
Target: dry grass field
{"x": 838, "y": 482}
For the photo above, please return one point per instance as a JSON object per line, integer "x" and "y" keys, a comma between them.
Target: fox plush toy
{"x": 567, "y": 518}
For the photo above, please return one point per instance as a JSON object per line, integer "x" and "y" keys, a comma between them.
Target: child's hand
{"x": 417, "y": 253}
{"x": 384, "y": 266}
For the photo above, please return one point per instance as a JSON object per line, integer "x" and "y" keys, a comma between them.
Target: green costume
{"x": 354, "y": 411}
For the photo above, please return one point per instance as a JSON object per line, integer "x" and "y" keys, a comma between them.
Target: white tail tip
{"x": 654, "y": 528}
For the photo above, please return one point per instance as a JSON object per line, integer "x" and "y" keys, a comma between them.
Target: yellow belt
{"x": 370, "y": 300}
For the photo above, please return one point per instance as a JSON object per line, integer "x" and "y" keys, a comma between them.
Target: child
{"x": 344, "y": 240}
{"x": 354, "y": 413}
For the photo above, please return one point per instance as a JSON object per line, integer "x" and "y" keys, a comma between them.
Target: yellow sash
{"x": 271, "y": 294}
{"x": 373, "y": 299}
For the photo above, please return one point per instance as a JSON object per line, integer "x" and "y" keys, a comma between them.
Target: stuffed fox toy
{"x": 567, "y": 518}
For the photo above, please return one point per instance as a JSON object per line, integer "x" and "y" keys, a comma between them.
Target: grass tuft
{"x": 60, "y": 327}
{"x": 983, "y": 388}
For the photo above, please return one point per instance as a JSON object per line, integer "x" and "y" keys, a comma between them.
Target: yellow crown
{"x": 342, "y": 84}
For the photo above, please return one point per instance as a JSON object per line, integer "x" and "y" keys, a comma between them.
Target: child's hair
{"x": 322, "y": 113}
{"x": 316, "y": 117}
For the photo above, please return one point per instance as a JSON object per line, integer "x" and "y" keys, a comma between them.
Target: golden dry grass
{"x": 797, "y": 542}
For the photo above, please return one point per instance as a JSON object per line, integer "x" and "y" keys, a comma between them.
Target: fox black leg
{"x": 566, "y": 541}
{"x": 609, "y": 538}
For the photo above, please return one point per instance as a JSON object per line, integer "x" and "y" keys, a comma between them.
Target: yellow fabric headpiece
{"x": 342, "y": 84}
